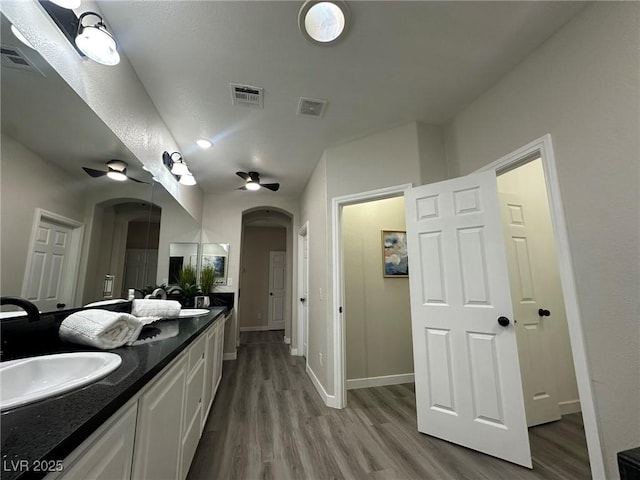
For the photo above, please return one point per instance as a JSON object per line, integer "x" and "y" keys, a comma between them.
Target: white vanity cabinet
{"x": 110, "y": 453}
{"x": 156, "y": 434}
{"x": 158, "y": 445}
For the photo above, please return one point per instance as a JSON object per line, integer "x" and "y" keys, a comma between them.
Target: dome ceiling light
{"x": 324, "y": 22}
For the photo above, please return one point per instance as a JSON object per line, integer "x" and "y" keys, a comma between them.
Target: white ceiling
{"x": 400, "y": 62}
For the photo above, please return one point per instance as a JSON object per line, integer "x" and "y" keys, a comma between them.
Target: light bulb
{"x": 96, "y": 42}
{"x": 188, "y": 179}
{"x": 179, "y": 168}
{"x": 115, "y": 175}
{"x": 253, "y": 186}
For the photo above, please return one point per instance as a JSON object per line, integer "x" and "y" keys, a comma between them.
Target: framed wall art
{"x": 394, "y": 253}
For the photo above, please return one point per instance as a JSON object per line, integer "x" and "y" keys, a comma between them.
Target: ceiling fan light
{"x": 116, "y": 175}
{"x": 96, "y": 42}
{"x": 188, "y": 179}
{"x": 252, "y": 186}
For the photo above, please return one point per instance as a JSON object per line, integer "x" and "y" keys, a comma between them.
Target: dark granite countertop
{"x": 51, "y": 429}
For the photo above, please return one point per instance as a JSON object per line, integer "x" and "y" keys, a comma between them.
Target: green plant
{"x": 187, "y": 276}
{"x": 207, "y": 278}
{"x": 150, "y": 288}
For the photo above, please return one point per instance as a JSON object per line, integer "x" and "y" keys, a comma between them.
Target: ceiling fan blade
{"x": 136, "y": 180}
{"x": 242, "y": 175}
{"x": 94, "y": 173}
{"x": 254, "y": 176}
{"x": 271, "y": 186}
{"x": 241, "y": 188}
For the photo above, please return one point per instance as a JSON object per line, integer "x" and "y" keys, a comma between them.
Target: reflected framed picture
{"x": 219, "y": 264}
{"x": 394, "y": 254}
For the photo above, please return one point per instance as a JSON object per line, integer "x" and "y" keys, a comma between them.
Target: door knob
{"x": 503, "y": 321}
{"x": 271, "y": 294}
{"x": 303, "y": 300}
{"x": 543, "y": 313}
{"x": 60, "y": 305}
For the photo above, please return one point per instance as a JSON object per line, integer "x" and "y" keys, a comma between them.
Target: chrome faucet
{"x": 158, "y": 293}
{"x": 32, "y": 311}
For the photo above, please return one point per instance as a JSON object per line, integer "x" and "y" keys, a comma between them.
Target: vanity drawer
{"x": 196, "y": 353}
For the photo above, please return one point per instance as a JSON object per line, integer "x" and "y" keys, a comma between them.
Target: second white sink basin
{"x": 31, "y": 379}
{"x": 193, "y": 312}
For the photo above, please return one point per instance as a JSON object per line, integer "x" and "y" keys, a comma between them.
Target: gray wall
{"x": 582, "y": 87}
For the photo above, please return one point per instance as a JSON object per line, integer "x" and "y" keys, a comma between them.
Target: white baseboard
{"x": 570, "y": 406}
{"x": 230, "y": 356}
{"x": 294, "y": 352}
{"x": 380, "y": 381}
{"x": 329, "y": 400}
{"x": 263, "y": 328}
{"x": 287, "y": 340}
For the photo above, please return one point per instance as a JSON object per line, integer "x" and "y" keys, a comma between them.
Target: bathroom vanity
{"x": 142, "y": 421}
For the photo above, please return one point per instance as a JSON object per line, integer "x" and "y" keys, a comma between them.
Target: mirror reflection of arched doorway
{"x": 125, "y": 240}
{"x": 264, "y": 304}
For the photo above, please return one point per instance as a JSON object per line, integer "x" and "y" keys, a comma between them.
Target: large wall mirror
{"x": 57, "y": 222}
{"x": 217, "y": 256}
{"x": 181, "y": 254}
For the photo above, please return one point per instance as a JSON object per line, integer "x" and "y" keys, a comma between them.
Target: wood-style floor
{"x": 268, "y": 422}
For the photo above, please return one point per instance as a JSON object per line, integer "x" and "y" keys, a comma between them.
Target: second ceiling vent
{"x": 312, "y": 107}
{"x": 247, "y": 95}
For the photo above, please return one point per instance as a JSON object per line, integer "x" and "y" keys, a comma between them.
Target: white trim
{"x": 287, "y": 340}
{"x": 544, "y": 147}
{"x": 329, "y": 400}
{"x": 339, "y": 374}
{"x": 293, "y": 352}
{"x": 263, "y": 328}
{"x": 230, "y": 356}
{"x": 380, "y": 381}
{"x": 302, "y": 331}
{"x": 569, "y": 407}
{"x": 71, "y": 273}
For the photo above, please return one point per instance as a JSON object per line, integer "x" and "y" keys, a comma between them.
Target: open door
{"x": 467, "y": 375}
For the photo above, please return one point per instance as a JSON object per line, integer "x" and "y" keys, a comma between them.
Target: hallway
{"x": 268, "y": 422}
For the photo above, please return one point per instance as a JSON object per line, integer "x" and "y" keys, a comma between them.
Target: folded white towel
{"x": 105, "y": 302}
{"x": 100, "y": 328}
{"x": 156, "y": 308}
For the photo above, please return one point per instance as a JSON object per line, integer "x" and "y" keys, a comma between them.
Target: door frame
{"x": 303, "y": 278}
{"x": 543, "y": 148}
{"x": 270, "y": 321}
{"x": 71, "y": 272}
{"x": 339, "y": 399}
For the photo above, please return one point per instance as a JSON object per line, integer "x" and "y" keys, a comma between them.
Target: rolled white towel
{"x": 156, "y": 308}
{"x": 100, "y": 328}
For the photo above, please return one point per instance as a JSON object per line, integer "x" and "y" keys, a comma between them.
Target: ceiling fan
{"x": 252, "y": 182}
{"x": 116, "y": 170}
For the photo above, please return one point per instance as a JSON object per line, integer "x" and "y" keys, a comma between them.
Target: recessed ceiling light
{"x": 323, "y": 22}
{"x": 203, "y": 143}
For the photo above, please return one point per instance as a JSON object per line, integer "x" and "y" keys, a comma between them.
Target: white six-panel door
{"x": 468, "y": 388}
{"x": 277, "y": 289}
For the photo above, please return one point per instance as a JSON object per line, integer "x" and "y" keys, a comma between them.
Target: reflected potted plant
{"x": 186, "y": 287}
{"x": 207, "y": 279}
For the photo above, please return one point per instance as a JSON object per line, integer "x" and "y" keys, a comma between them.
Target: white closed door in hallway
{"x": 467, "y": 375}
{"x": 50, "y": 249}
{"x": 277, "y": 289}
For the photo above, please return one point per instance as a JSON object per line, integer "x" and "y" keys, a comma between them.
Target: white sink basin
{"x": 193, "y": 312}
{"x": 31, "y": 379}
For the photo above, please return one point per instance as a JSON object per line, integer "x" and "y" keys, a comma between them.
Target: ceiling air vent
{"x": 312, "y": 107}
{"x": 14, "y": 58}
{"x": 247, "y": 95}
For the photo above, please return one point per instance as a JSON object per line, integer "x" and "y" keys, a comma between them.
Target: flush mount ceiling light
{"x": 67, "y": 3}
{"x": 96, "y": 42}
{"x": 322, "y": 22}
{"x": 203, "y": 143}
